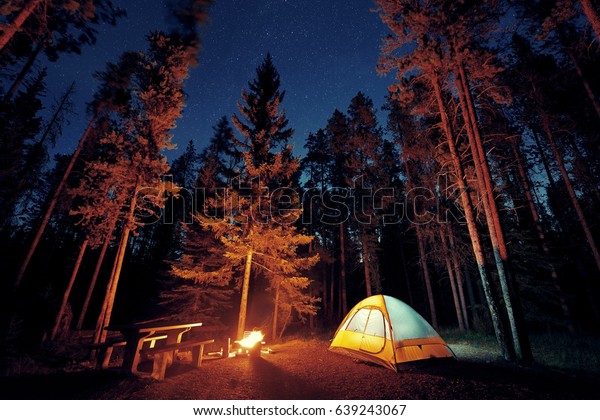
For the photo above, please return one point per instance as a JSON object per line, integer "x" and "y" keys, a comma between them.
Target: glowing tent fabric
{"x": 384, "y": 330}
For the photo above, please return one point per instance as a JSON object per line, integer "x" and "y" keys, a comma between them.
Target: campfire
{"x": 251, "y": 343}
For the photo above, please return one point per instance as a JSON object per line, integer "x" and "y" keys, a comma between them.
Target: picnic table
{"x": 139, "y": 333}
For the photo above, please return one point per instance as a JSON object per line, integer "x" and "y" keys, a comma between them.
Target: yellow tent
{"x": 384, "y": 330}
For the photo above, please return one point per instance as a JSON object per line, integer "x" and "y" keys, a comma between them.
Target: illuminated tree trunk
{"x": 592, "y": 16}
{"x": 88, "y": 296}
{"x": 99, "y": 333}
{"x": 471, "y": 224}
{"x": 67, "y": 293}
{"x": 53, "y": 202}
{"x": 276, "y": 310}
{"x": 455, "y": 297}
{"x": 492, "y": 216}
{"x": 244, "y": 298}
{"x": 9, "y": 29}
{"x": 104, "y": 319}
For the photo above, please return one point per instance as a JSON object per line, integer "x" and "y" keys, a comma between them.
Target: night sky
{"x": 325, "y": 50}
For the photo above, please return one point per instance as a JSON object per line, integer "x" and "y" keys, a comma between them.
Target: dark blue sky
{"x": 325, "y": 50}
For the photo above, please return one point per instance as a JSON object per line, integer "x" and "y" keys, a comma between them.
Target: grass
{"x": 569, "y": 352}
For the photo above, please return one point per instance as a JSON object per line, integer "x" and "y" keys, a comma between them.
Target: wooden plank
{"x": 177, "y": 346}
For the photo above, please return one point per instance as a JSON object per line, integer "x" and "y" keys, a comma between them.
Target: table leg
{"x": 131, "y": 358}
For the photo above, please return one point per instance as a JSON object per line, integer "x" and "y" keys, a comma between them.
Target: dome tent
{"x": 384, "y": 330}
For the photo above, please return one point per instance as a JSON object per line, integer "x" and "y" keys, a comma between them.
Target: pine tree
{"x": 19, "y": 125}
{"x": 253, "y": 237}
{"x": 366, "y": 145}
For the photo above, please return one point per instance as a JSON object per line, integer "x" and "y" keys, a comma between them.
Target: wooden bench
{"x": 104, "y": 350}
{"x": 163, "y": 354}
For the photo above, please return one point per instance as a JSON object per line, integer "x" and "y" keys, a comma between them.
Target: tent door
{"x": 374, "y": 333}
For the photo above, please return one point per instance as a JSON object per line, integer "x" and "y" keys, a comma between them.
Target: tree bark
{"x": 276, "y": 311}
{"x": 492, "y": 216}
{"x": 104, "y": 320}
{"x": 244, "y": 298}
{"x": 10, "y": 29}
{"x": 67, "y": 293}
{"x": 471, "y": 223}
{"x": 53, "y": 202}
{"x": 92, "y": 286}
{"x": 592, "y": 16}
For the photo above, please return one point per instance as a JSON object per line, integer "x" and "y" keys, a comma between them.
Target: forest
{"x": 472, "y": 195}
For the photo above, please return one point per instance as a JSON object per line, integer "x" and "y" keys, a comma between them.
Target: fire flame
{"x": 253, "y": 338}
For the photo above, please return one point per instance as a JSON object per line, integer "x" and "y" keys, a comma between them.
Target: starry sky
{"x": 325, "y": 51}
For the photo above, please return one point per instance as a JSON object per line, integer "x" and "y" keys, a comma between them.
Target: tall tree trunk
{"x": 471, "y": 223}
{"x": 26, "y": 67}
{"x": 92, "y": 286}
{"x": 455, "y": 297}
{"x": 582, "y": 169}
{"x": 459, "y": 279}
{"x": 244, "y": 298}
{"x": 67, "y": 293}
{"x": 569, "y": 186}
{"x": 9, "y": 29}
{"x": 343, "y": 303}
{"x": 366, "y": 265}
{"x": 61, "y": 105}
{"x": 542, "y": 235}
{"x": 325, "y": 296}
{"x": 545, "y": 163}
{"x": 276, "y": 311}
{"x": 426, "y": 277}
{"x": 492, "y": 216}
{"x": 104, "y": 320}
{"x": 53, "y": 202}
{"x": 584, "y": 80}
{"x": 422, "y": 254}
{"x": 332, "y": 293}
{"x": 592, "y": 16}
{"x": 406, "y": 277}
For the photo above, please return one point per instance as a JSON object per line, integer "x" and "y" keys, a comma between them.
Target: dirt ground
{"x": 307, "y": 370}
